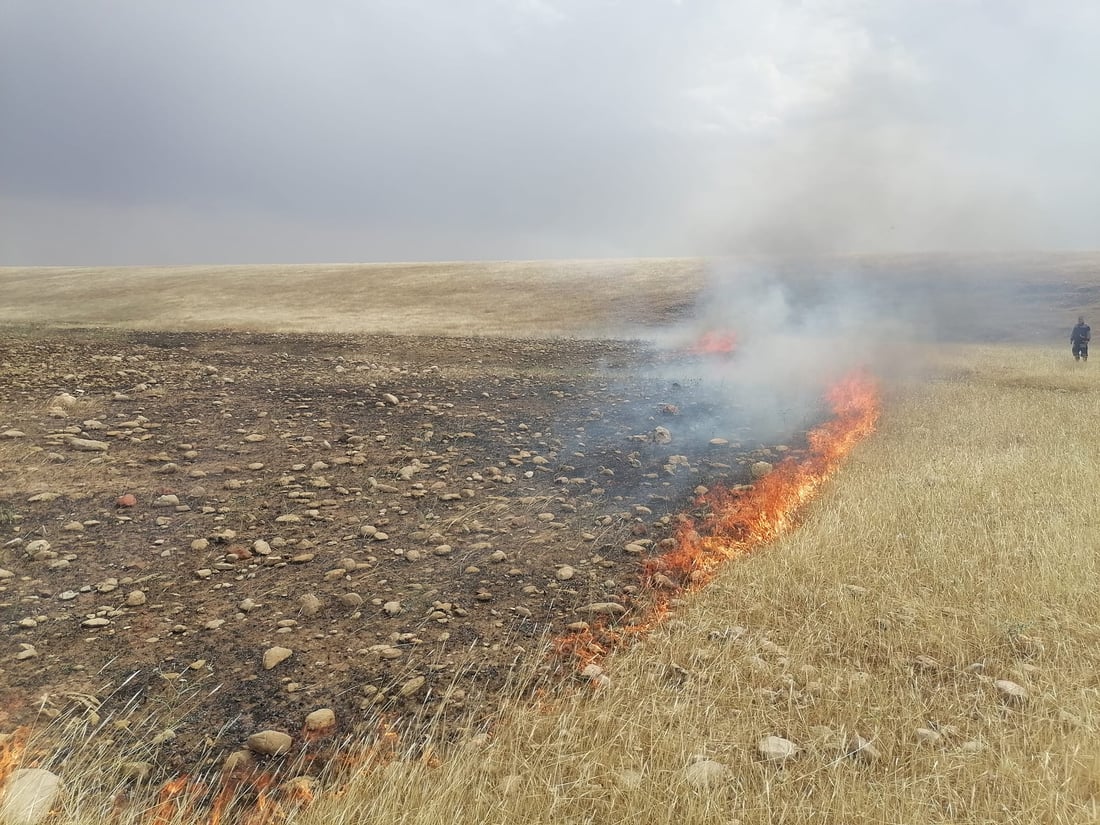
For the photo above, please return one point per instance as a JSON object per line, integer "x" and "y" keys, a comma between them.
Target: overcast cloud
{"x": 189, "y": 131}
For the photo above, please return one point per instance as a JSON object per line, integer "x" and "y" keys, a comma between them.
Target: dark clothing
{"x": 1079, "y": 338}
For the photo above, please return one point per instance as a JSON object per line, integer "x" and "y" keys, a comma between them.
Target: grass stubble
{"x": 956, "y": 547}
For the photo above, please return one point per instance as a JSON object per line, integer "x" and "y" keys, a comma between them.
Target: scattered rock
{"x": 320, "y": 721}
{"x": 270, "y": 743}
{"x": 28, "y": 796}
{"x": 705, "y": 773}
{"x": 276, "y": 655}
{"x": 777, "y": 749}
{"x": 760, "y": 469}
{"x": 603, "y": 608}
{"x": 126, "y": 500}
{"x": 1010, "y": 692}
{"x": 135, "y": 598}
{"x": 863, "y": 750}
{"x": 88, "y": 445}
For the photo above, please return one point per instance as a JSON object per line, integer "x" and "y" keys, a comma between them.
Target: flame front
{"x": 740, "y": 520}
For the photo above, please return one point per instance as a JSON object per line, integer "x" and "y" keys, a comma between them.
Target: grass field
{"x": 928, "y": 639}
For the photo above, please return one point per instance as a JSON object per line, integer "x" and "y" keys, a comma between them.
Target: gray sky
{"x": 200, "y": 131}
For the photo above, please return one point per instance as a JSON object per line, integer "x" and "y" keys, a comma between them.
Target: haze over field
{"x": 269, "y": 130}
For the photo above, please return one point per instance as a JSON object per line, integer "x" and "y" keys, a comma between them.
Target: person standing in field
{"x": 1079, "y": 338}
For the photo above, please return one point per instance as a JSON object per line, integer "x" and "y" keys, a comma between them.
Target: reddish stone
{"x": 238, "y": 551}
{"x": 127, "y": 500}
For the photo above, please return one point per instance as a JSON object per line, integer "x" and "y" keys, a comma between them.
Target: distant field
{"x": 1021, "y": 297}
{"x": 531, "y": 299}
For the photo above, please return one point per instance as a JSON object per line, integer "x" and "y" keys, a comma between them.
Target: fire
{"x": 170, "y": 800}
{"x": 714, "y": 343}
{"x": 743, "y": 519}
{"x": 12, "y": 749}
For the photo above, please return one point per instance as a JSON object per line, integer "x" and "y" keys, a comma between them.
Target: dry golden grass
{"x": 526, "y": 298}
{"x": 1029, "y": 296}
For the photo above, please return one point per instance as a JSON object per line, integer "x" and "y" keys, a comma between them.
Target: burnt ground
{"x": 290, "y": 489}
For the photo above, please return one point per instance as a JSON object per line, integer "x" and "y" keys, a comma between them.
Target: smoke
{"x": 796, "y": 328}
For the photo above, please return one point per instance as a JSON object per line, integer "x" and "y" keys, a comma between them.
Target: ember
{"x": 714, "y": 343}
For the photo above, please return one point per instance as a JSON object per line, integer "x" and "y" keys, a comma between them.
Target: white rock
{"x": 28, "y": 796}
{"x": 777, "y": 749}
{"x": 705, "y": 773}
{"x": 1011, "y": 692}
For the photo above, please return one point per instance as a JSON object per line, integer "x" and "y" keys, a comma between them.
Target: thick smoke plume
{"x": 790, "y": 335}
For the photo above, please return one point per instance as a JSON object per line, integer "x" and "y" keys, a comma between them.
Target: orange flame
{"x": 11, "y": 752}
{"x": 169, "y": 800}
{"x": 714, "y": 343}
{"x": 743, "y": 519}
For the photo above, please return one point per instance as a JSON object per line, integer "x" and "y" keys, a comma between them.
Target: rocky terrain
{"x": 209, "y": 536}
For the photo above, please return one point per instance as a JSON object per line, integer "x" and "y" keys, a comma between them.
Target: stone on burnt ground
{"x": 88, "y": 445}
{"x": 320, "y": 721}
{"x": 603, "y": 609}
{"x": 274, "y": 656}
{"x": 760, "y": 469}
{"x": 270, "y": 743}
